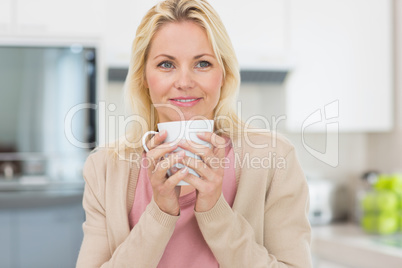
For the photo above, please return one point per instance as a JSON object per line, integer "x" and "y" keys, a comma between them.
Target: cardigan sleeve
{"x": 143, "y": 247}
{"x": 286, "y": 227}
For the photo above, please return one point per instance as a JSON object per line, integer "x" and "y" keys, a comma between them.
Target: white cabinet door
{"x": 258, "y": 30}
{"x": 120, "y": 25}
{"x": 5, "y": 16}
{"x": 343, "y": 65}
{"x": 61, "y": 17}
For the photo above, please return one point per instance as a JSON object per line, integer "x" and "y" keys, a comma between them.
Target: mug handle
{"x": 145, "y": 136}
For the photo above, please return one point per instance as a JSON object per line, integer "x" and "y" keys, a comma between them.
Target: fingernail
{"x": 162, "y": 132}
{"x": 184, "y": 170}
{"x": 201, "y": 134}
{"x": 180, "y": 153}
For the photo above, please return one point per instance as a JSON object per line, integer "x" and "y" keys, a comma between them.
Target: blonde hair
{"x": 136, "y": 93}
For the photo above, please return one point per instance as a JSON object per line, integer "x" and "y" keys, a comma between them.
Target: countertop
{"x": 347, "y": 244}
{"x": 29, "y": 191}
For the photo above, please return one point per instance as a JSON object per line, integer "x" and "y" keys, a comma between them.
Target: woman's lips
{"x": 185, "y": 104}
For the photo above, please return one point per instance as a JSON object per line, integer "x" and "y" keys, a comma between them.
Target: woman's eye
{"x": 203, "y": 64}
{"x": 166, "y": 65}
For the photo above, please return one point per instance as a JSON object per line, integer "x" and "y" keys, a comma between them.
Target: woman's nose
{"x": 184, "y": 79}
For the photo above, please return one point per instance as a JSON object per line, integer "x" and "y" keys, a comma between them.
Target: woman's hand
{"x": 210, "y": 168}
{"x": 166, "y": 193}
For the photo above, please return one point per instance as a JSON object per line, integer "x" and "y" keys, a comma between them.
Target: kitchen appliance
{"x": 41, "y": 81}
{"x": 328, "y": 201}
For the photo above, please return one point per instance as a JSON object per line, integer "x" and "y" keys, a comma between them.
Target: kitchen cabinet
{"x": 5, "y": 16}
{"x": 258, "y": 30}
{"x": 40, "y": 228}
{"x": 49, "y": 237}
{"x": 6, "y": 238}
{"x": 51, "y": 18}
{"x": 342, "y": 76}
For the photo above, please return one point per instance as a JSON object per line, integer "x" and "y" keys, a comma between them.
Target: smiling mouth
{"x": 185, "y": 100}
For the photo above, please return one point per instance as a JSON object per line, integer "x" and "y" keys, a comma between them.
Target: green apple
{"x": 383, "y": 182}
{"x": 400, "y": 220}
{"x": 396, "y": 183}
{"x": 368, "y": 202}
{"x": 387, "y": 201}
{"x": 387, "y": 223}
{"x": 400, "y": 203}
{"x": 369, "y": 222}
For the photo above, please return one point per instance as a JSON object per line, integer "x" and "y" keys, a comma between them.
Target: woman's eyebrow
{"x": 165, "y": 55}
{"x": 205, "y": 54}
{"x": 195, "y": 57}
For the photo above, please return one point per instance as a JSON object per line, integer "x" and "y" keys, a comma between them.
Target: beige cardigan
{"x": 266, "y": 227}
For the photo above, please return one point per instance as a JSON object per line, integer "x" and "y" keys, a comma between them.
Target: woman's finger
{"x": 160, "y": 151}
{"x": 203, "y": 151}
{"x": 174, "y": 169}
{"x": 161, "y": 168}
{"x": 173, "y": 180}
{"x": 199, "y": 166}
{"x": 196, "y": 182}
{"x": 218, "y": 143}
{"x": 208, "y": 192}
{"x": 156, "y": 140}
{"x": 157, "y": 149}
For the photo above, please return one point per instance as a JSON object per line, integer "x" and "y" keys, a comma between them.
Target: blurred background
{"x": 327, "y": 74}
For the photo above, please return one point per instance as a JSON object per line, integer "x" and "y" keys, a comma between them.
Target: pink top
{"x": 186, "y": 247}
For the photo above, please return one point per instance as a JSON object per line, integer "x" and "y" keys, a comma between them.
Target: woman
{"x": 241, "y": 214}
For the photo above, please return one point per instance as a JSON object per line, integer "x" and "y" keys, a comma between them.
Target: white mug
{"x": 183, "y": 130}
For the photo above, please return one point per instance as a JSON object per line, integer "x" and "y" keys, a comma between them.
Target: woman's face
{"x": 182, "y": 73}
